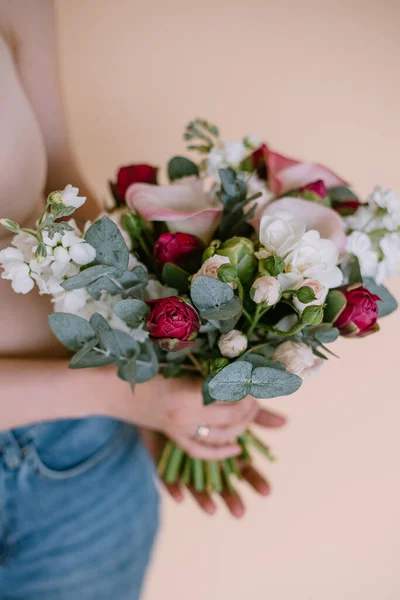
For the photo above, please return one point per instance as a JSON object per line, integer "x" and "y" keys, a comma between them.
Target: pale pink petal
{"x": 301, "y": 174}
{"x": 275, "y": 164}
{"x": 315, "y": 216}
{"x": 184, "y": 207}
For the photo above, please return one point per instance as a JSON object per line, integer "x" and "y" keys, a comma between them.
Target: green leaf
{"x": 106, "y": 335}
{"x": 179, "y": 167}
{"x": 228, "y": 181}
{"x": 324, "y": 333}
{"x": 53, "y": 228}
{"x": 214, "y": 299}
{"x": 341, "y": 193}
{"x": 88, "y": 276}
{"x": 306, "y": 294}
{"x": 388, "y": 303}
{"x": 127, "y": 372}
{"x": 132, "y": 311}
{"x": 226, "y": 325}
{"x": 109, "y": 244}
{"x": 86, "y": 348}
{"x": 60, "y": 210}
{"x": 91, "y": 359}
{"x": 351, "y": 270}
{"x": 131, "y": 283}
{"x": 207, "y": 399}
{"x": 232, "y": 383}
{"x": 72, "y": 331}
{"x": 175, "y": 277}
{"x": 335, "y": 303}
{"x": 270, "y": 382}
{"x": 257, "y": 360}
{"x": 127, "y": 345}
{"x": 146, "y": 363}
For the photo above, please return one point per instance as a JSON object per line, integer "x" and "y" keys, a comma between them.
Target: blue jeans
{"x": 78, "y": 511}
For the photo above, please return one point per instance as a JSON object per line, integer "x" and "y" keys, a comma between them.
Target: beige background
{"x": 319, "y": 80}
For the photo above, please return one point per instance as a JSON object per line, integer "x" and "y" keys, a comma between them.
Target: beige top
{"x": 23, "y": 168}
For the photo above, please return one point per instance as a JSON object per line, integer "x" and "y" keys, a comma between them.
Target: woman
{"x": 78, "y": 506}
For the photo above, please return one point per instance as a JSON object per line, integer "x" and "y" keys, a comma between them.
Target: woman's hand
{"x": 175, "y": 407}
{"x": 155, "y": 444}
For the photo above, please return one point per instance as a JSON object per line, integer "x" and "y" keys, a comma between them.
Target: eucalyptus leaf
{"x": 109, "y": 244}
{"x": 132, "y": 311}
{"x": 324, "y": 333}
{"x": 128, "y": 346}
{"x": 127, "y": 372}
{"x": 232, "y": 383}
{"x": 388, "y": 303}
{"x": 88, "y": 276}
{"x": 146, "y": 363}
{"x": 92, "y": 359}
{"x": 257, "y": 360}
{"x": 130, "y": 283}
{"x": 350, "y": 268}
{"x": 72, "y": 331}
{"x": 86, "y": 348}
{"x": 214, "y": 299}
{"x": 228, "y": 181}
{"x": 226, "y": 325}
{"x": 207, "y": 399}
{"x": 270, "y": 382}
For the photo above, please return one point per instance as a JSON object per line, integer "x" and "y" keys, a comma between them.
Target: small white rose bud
{"x": 211, "y": 266}
{"x": 266, "y": 289}
{"x": 82, "y": 254}
{"x": 320, "y": 292}
{"x": 298, "y": 358}
{"x": 232, "y": 344}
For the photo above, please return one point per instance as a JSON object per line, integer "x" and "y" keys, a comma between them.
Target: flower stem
{"x": 260, "y": 310}
{"x": 196, "y": 363}
{"x": 247, "y": 316}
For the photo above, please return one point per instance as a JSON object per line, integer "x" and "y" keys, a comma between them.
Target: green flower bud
{"x": 240, "y": 252}
{"x": 217, "y": 365}
{"x": 227, "y": 273}
{"x": 312, "y": 315}
{"x": 215, "y": 243}
{"x": 55, "y": 197}
{"x": 133, "y": 224}
{"x": 208, "y": 253}
{"x": 306, "y": 295}
{"x": 10, "y": 225}
{"x": 41, "y": 253}
{"x": 273, "y": 265}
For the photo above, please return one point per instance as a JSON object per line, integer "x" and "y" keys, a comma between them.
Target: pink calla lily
{"x": 286, "y": 174}
{"x": 185, "y": 207}
{"x": 315, "y": 216}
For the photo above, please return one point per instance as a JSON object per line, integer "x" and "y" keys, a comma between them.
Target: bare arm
{"x": 31, "y": 29}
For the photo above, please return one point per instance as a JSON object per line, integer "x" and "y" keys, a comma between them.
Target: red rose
{"x": 132, "y": 174}
{"x": 360, "y": 314}
{"x": 317, "y": 188}
{"x": 346, "y": 207}
{"x": 181, "y": 249}
{"x": 172, "y": 323}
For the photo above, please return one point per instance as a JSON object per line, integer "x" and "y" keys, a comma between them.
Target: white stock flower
{"x": 320, "y": 292}
{"x": 390, "y": 265}
{"x": 359, "y": 244}
{"x": 232, "y": 344}
{"x": 155, "y": 290}
{"x": 314, "y": 258}
{"x": 230, "y": 154}
{"x": 298, "y": 358}
{"x": 210, "y": 267}
{"x": 25, "y": 243}
{"x": 70, "y": 302}
{"x": 69, "y": 197}
{"x": 280, "y": 233}
{"x": 82, "y": 254}
{"x": 266, "y": 289}
{"x": 235, "y": 152}
{"x": 16, "y": 270}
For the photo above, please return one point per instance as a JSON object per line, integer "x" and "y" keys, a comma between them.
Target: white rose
{"x": 390, "y": 265}
{"x": 210, "y": 267}
{"x": 320, "y": 292}
{"x": 82, "y": 254}
{"x": 232, "y": 344}
{"x": 298, "y": 358}
{"x": 315, "y": 258}
{"x": 280, "y": 233}
{"x": 69, "y": 197}
{"x": 266, "y": 289}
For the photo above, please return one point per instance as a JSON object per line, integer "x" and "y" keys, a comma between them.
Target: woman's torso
{"x": 23, "y": 170}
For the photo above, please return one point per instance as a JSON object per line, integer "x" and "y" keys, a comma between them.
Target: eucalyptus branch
{"x": 197, "y": 364}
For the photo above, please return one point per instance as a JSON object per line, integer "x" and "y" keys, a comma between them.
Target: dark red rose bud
{"x": 360, "y": 314}
{"x": 259, "y": 161}
{"x": 134, "y": 174}
{"x": 317, "y": 188}
{"x": 181, "y": 249}
{"x": 347, "y": 207}
{"x": 172, "y": 323}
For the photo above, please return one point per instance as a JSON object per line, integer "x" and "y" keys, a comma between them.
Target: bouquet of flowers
{"x": 241, "y": 270}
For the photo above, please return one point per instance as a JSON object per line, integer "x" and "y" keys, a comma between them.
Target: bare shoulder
{"x": 19, "y": 18}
